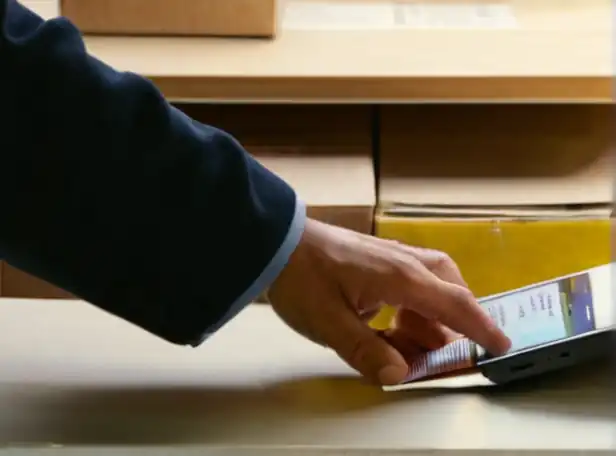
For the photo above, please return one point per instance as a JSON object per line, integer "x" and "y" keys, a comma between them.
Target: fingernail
{"x": 392, "y": 375}
{"x": 503, "y": 346}
{"x": 507, "y": 345}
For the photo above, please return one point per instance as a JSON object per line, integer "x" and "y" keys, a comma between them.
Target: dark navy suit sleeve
{"x": 114, "y": 195}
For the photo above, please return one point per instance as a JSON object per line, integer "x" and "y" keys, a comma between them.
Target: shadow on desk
{"x": 585, "y": 393}
{"x": 173, "y": 414}
{"x": 190, "y": 415}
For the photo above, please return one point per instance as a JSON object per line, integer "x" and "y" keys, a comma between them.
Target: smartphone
{"x": 554, "y": 324}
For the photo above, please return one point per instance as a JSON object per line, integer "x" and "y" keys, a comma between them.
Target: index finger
{"x": 451, "y": 304}
{"x": 461, "y": 312}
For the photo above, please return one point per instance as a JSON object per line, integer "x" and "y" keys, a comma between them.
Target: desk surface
{"x": 73, "y": 376}
{"x": 554, "y": 52}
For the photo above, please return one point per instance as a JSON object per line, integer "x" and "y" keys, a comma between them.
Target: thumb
{"x": 362, "y": 348}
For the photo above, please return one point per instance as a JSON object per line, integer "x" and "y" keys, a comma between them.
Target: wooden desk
{"x": 75, "y": 378}
{"x": 556, "y": 53}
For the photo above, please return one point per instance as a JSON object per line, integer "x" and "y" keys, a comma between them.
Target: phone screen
{"x": 544, "y": 313}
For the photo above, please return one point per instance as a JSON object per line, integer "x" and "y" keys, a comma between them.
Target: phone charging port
{"x": 522, "y": 367}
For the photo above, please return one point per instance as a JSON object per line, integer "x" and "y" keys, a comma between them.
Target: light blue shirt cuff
{"x": 271, "y": 271}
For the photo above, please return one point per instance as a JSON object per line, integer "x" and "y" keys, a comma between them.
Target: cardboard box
{"x": 353, "y": 50}
{"x": 324, "y": 152}
{"x": 516, "y": 194}
{"x": 18, "y": 284}
{"x": 237, "y": 18}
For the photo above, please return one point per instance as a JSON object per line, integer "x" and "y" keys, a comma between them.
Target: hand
{"x": 337, "y": 280}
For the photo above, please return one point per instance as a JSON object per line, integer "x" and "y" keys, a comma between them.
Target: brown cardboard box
{"x": 531, "y": 51}
{"x": 516, "y": 194}
{"x": 18, "y": 284}
{"x": 249, "y": 18}
{"x": 324, "y": 152}
{"x": 500, "y": 158}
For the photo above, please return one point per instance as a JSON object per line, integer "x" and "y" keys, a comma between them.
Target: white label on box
{"x": 336, "y": 16}
{"x": 300, "y": 15}
{"x": 459, "y": 16}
